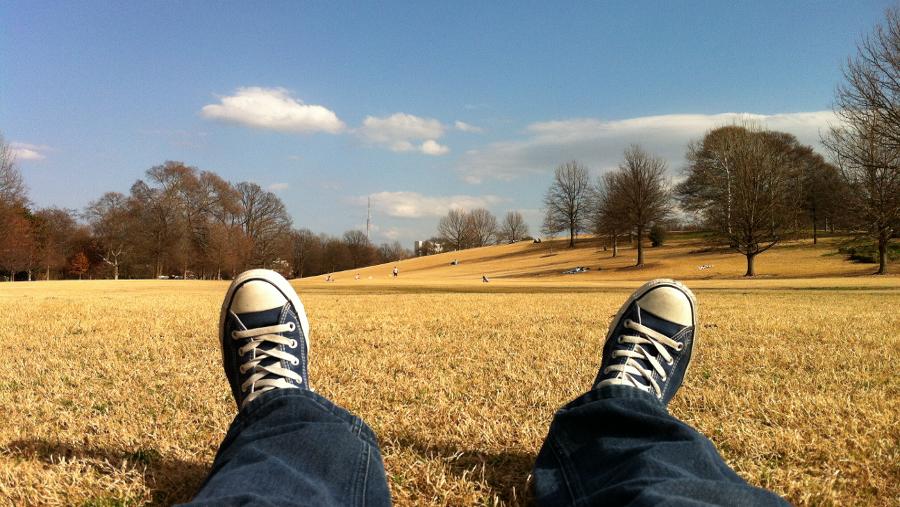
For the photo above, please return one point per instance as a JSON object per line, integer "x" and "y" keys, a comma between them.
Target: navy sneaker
{"x": 264, "y": 334}
{"x": 650, "y": 340}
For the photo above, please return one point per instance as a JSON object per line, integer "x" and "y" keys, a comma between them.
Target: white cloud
{"x": 416, "y": 205}
{"x": 278, "y": 187}
{"x": 599, "y": 144}
{"x": 402, "y": 132}
{"x": 25, "y": 151}
{"x": 466, "y": 127}
{"x": 431, "y": 147}
{"x": 273, "y": 109}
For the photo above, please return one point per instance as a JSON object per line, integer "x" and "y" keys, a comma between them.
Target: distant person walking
{"x": 484, "y": 278}
{"x": 614, "y": 445}
{"x": 396, "y": 272}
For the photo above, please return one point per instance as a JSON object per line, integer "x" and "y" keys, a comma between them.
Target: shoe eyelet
{"x": 680, "y": 346}
{"x": 295, "y": 362}
{"x": 670, "y": 362}
{"x": 619, "y": 340}
{"x": 293, "y": 344}
{"x": 291, "y": 326}
{"x": 234, "y": 335}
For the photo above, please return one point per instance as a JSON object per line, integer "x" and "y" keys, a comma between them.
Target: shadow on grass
{"x": 170, "y": 480}
{"x": 505, "y": 473}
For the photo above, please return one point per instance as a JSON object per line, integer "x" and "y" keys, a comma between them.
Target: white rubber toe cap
{"x": 256, "y": 296}
{"x": 670, "y": 304}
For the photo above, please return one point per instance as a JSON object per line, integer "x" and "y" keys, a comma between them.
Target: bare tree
{"x": 14, "y": 248}
{"x": 823, "y": 190}
{"x": 640, "y": 192}
{"x": 514, "y": 227}
{"x": 871, "y": 168}
{"x": 264, "y": 220}
{"x": 361, "y": 251}
{"x": 453, "y": 228}
{"x": 551, "y": 226}
{"x": 482, "y": 227}
{"x": 866, "y": 146}
{"x": 392, "y": 252}
{"x": 608, "y": 218}
{"x": 753, "y": 205}
{"x": 110, "y": 222}
{"x": 13, "y": 193}
{"x": 303, "y": 245}
{"x": 54, "y": 230}
{"x": 17, "y": 248}
{"x": 567, "y": 199}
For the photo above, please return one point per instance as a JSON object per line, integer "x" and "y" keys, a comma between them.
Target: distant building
{"x": 428, "y": 247}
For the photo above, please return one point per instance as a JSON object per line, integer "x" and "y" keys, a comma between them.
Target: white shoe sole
{"x": 281, "y": 284}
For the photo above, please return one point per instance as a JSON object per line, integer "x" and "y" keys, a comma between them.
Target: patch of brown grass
{"x": 680, "y": 259}
{"x": 114, "y": 392}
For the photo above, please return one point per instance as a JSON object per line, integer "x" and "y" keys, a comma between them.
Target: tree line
{"x": 179, "y": 221}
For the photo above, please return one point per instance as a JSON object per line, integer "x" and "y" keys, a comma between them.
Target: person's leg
{"x": 617, "y": 444}
{"x": 287, "y": 445}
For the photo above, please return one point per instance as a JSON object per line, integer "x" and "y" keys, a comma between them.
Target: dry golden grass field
{"x": 112, "y": 392}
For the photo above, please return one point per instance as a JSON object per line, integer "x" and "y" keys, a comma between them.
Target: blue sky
{"x": 422, "y": 105}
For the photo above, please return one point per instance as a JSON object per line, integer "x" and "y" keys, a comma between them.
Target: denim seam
{"x": 567, "y": 474}
{"x": 365, "y": 477}
{"x": 356, "y": 491}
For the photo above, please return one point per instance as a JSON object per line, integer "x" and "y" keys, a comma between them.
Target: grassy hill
{"x": 682, "y": 258}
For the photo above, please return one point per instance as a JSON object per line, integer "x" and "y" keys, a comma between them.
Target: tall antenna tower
{"x": 368, "y": 216}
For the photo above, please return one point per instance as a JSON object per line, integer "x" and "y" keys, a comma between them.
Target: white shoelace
{"x": 258, "y": 382}
{"x": 631, "y": 370}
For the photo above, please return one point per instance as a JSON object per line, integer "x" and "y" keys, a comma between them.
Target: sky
{"x": 419, "y": 106}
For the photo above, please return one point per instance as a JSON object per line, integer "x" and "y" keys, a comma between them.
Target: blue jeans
{"x": 620, "y": 446}
{"x": 611, "y": 446}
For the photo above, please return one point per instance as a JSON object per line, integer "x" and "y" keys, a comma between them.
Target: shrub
{"x": 865, "y": 251}
{"x": 657, "y": 235}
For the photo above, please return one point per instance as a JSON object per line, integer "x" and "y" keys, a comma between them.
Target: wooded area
{"x": 178, "y": 222}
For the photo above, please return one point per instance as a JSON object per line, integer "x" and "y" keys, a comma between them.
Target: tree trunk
{"x": 640, "y": 248}
{"x": 571, "y": 237}
{"x": 615, "y": 244}
{"x": 815, "y": 236}
{"x": 882, "y": 255}
{"x": 116, "y": 271}
{"x": 751, "y": 269}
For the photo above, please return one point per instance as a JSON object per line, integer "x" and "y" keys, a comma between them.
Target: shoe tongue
{"x": 252, "y": 320}
{"x": 657, "y": 324}
{"x": 263, "y": 318}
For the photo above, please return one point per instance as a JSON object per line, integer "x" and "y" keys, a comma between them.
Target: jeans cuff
{"x": 609, "y": 392}
{"x": 274, "y": 395}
